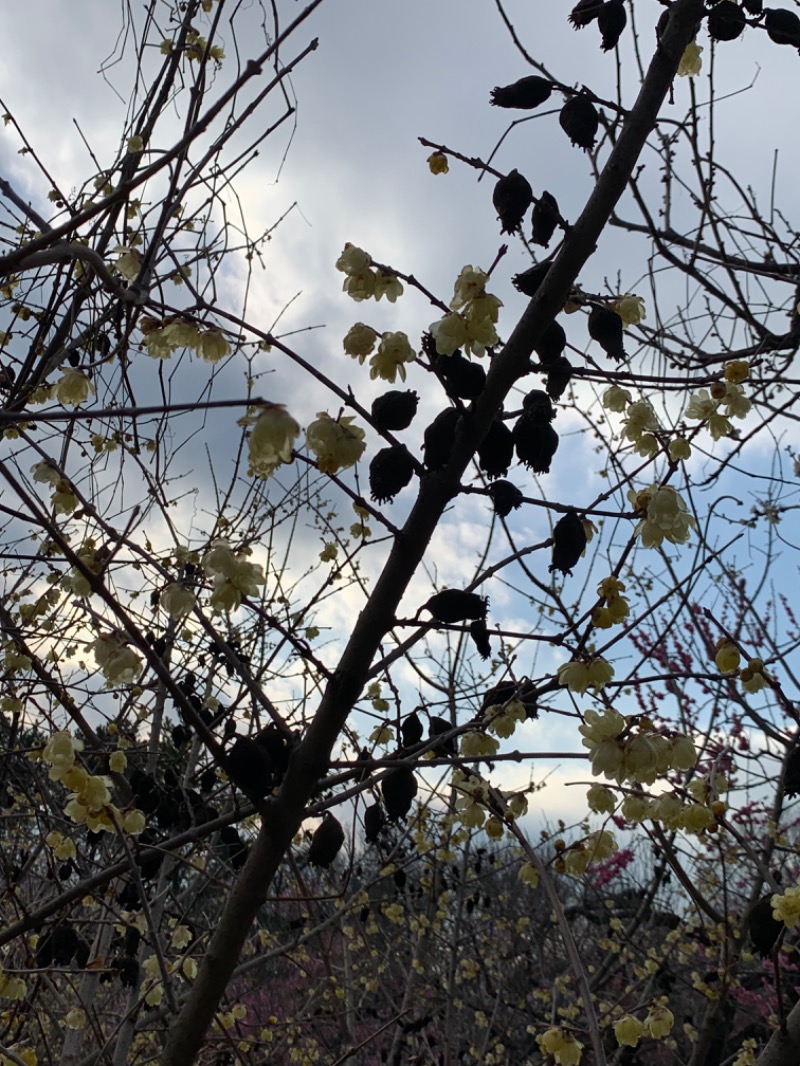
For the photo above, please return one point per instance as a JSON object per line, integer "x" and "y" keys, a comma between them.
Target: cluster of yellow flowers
{"x": 233, "y": 575}
{"x": 76, "y": 582}
{"x": 665, "y": 516}
{"x": 471, "y": 325}
{"x": 659, "y": 1021}
{"x": 119, "y": 664}
{"x": 195, "y": 46}
{"x": 579, "y": 676}
{"x": 177, "y": 600}
{"x": 362, "y": 282}
{"x": 89, "y": 801}
{"x": 753, "y": 676}
{"x": 63, "y": 496}
{"x": 786, "y": 906}
{"x": 562, "y": 1044}
{"x": 615, "y": 609}
{"x": 502, "y": 720}
{"x": 162, "y": 338}
{"x": 575, "y": 859}
{"x": 695, "y": 814}
{"x": 12, "y": 987}
{"x": 724, "y": 400}
{"x": 73, "y": 388}
{"x": 629, "y": 749}
{"x": 473, "y": 799}
{"x": 394, "y": 351}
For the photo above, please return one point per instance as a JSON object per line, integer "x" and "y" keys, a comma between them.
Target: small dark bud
{"x": 394, "y": 410}
{"x": 390, "y": 470}
{"x": 496, "y": 450}
{"x": 398, "y": 789}
{"x": 512, "y": 197}
{"x": 505, "y": 498}
{"x": 250, "y": 768}
{"x": 411, "y": 729}
{"x": 579, "y": 120}
{"x": 480, "y": 635}
{"x": 611, "y": 21}
{"x": 524, "y": 94}
{"x": 455, "y": 605}
{"x": 374, "y": 822}
{"x": 327, "y": 841}
{"x": 726, "y": 22}
{"x": 569, "y": 542}
{"x": 558, "y": 377}
{"x": 438, "y": 438}
{"x": 529, "y": 280}
{"x": 545, "y": 217}
{"x": 605, "y": 327}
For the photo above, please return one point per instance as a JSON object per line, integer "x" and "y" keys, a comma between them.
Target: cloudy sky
{"x": 384, "y": 75}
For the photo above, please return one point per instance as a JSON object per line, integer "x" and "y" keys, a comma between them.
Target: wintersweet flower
{"x": 601, "y": 725}
{"x": 213, "y": 346}
{"x": 177, "y": 600}
{"x": 630, "y": 309}
{"x": 666, "y": 516}
{"x": 119, "y": 664}
{"x": 180, "y": 333}
{"x": 691, "y": 63}
{"x": 134, "y": 822}
{"x": 271, "y": 439}
{"x": 529, "y": 874}
{"x": 639, "y": 418}
{"x": 627, "y": 1030}
{"x": 727, "y": 657}
{"x": 117, "y": 761}
{"x": 481, "y": 335}
{"x": 562, "y": 1045}
{"x": 683, "y": 753}
{"x": 360, "y": 341}
{"x": 360, "y": 286}
{"x": 718, "y": 426}
{"x": 736, "y": 404}
{"x": 754, "y": 677}
{"x": 449, "y": 333}
{"x": 60, "y": 751}
{"x": 695, "y": 818}
{"x": 701, "y": 405}
{"x": 470, "y": 284}
{"x": 129, "y": 263}
{"x": 616, "y": 399}
{"x": 679, "y": 450}
{"x": 388, "y": 285}
{"x": 635, "y": 808}
{"x": 73, "y": 388}
{"x": 64, "y": 499}
{"x": 786, "y": 906}
{"x": 393, "y": 353}
{"x": 437, "y": 163}
{"x": 337, "y": 443}
{"x": 45, "y": 473}
{"x": 659, "y": 1021}
{"x": 353, "y": 260}
{"x": 737, "y": 371}
{"x": 601, "y": 799}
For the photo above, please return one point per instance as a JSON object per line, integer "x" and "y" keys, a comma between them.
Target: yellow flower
{"x": 387, "y": 285}
{"x": 691, "y": 63}
{"x": 73, "y": 388}
{"x": 616, "y": 399}
{"x": 628, "y": 1030}
{"x": 213, "y": 345}
{"x": 117, "y": 762}
{"x": 600, "y": 799}
{"x": 737, "y": 371}
{"x": 786, "y": 907}
{"x": 272, "y": 439}
{"x": 393, "y": 353}
{"x": 76, "y": 1018}
{"x": 119, "y": 663}
{"x": 562, "y": 1045}
{"x": 359, "y": 341}
{"x": 177, "y": 600}
{"x": 529, "y": 874}
{"x": 129, "y": 262}
{"x": 449, "y": 333}
{"x": 679, "y": 450}
{"x": 630, "y": 309}
{"x": 437, "y": 163}
{"x": 659, "y": 1021}
{"x": 337, "y": 443}
{"x": 353, "y": 260}
{"x": 727, "y": 657}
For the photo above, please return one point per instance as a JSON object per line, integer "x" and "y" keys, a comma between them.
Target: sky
{"x": 384, "y": 75}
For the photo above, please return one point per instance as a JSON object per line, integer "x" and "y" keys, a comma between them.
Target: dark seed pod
{"x": 400, "y": 877}
{"x": 74, "y": 357}
{"x": 127, "y": 969}
{"x": 763, "y": 927}
{"x": 529, "y": 280}
{"x": 584, "y": 12}
{"x": 390, "y": 470}
{"x": 579, "y": 120}
{"x": 438, "y": 727}
{"x": 726, "y": 22}
{"x": 398, "y": 789}
{"x": 558, "y": 377}
{"x": 438, "y": 438}
{"x": 782, "y": 26}
{"x": 536, "y": 443}
{"x": 536, "y": 405}
{"x": 545, "y": 217}
{"x": 326, "y": 843}
{"x": 569, "y": 542}
{"x": 149, "y": 859}
{"x": 374, "y": 822}
{"x": 505, "y": 498}
{"x": 208, "y": 779}
{"x": 394, "y": 410}
{"x": 480, "y": 634}
{"x": 551, "y": 344}
{"x": 411, "y": 729}
{"x": 58, "y": 947}
{"x": 496, "y": 450}
{"x": 605, "y": 327}
{"x": 456, "y": 605}
{"x": 524, "y": 94}
{"x": 611, "y": 21}
{"x": 278, "y": 746}
{"x": 753, "y": 7}
{"x": 250, "y": 768}
{"x": 512, "y": 197}
{"x": 791, "y": 777}
{"x": 463, "y": 379}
